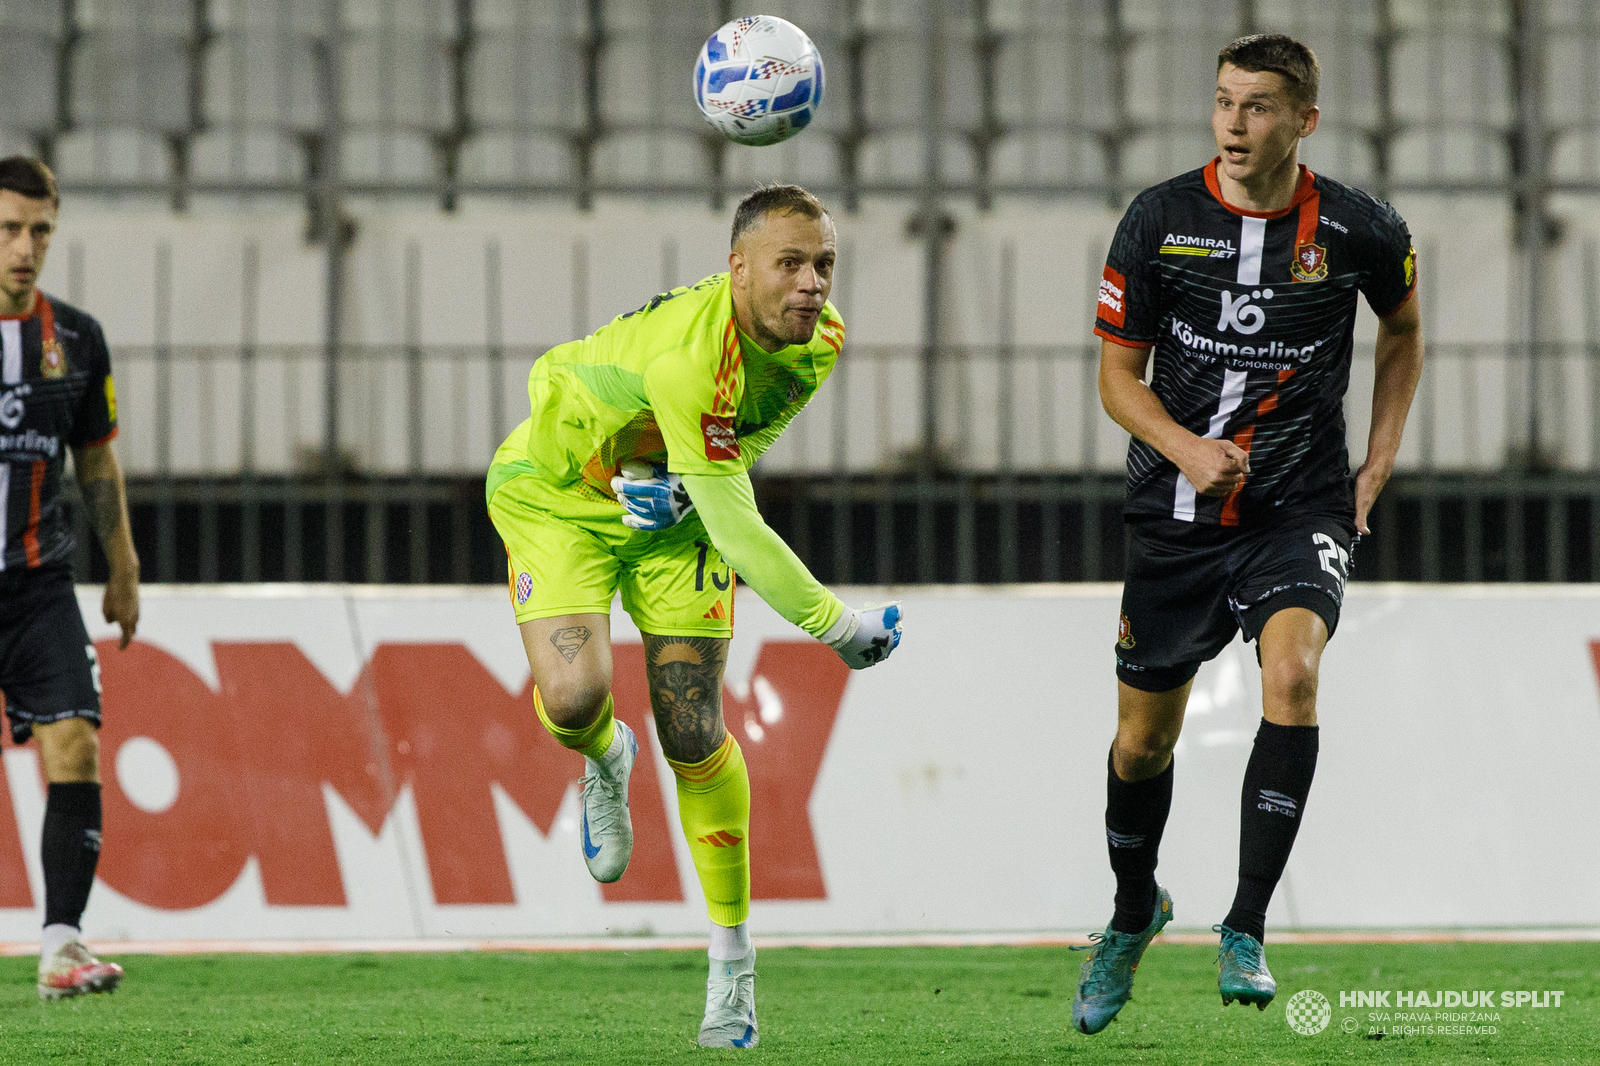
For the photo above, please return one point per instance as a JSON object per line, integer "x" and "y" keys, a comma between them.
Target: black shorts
{"x": 1189, "y": 588}
{"x": 48, "y": 669}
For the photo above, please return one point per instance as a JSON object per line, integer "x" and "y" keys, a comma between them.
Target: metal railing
{"x": 411, "y": 411}
{"x": 1012, "y": 474}
{"x": 883, "y": 529}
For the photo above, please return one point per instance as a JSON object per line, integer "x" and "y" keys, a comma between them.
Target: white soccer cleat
{"x": 73, "y": 971}
{"x": 607, "y": 825}
{"x": 731, "y": 1004}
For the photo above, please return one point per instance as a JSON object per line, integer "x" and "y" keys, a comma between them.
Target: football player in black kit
{"x": 56, "y": 394}
{"x": 1242, "y": 279}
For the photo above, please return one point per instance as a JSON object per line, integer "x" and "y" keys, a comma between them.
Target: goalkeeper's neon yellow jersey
{"x": 674, "y": 381}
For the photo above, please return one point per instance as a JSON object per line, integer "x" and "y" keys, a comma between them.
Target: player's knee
{"x": 1143, "y": 753}
{"x": 573, "y": 703}
{"x": 1290, "y": 682}
{"x": 70, "y": 750}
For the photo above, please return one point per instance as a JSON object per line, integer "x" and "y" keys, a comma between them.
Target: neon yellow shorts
{"x": 569, "y": 554}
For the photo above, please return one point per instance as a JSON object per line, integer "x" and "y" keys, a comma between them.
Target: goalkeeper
{"x": 632, "y": 475}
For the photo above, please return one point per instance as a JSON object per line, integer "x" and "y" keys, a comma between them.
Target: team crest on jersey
{"x": 1125, "y": 633}
{"x": 54, "y": 363}
{"x": 1411, "y": 266}
{"x": 524, "y": 587}
{"x": 1310, "y": 262}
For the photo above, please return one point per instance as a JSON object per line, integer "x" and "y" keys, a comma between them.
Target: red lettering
{"x": 253, "y": 760}
{"x": 189, "y": 854}
{"x": 455, "y": 731}
{"x": 291, "y": 732}
{"x": 14, "y": 888}
{"x": 808, "y": 681}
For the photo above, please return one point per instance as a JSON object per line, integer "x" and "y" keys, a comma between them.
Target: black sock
{"x": 70, "y": 850}
{"x": 1276, "y": 783}
{"x": 1136, "y": 813}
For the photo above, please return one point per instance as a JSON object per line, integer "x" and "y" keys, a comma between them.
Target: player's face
{"x": 782, "y": 272}
{"x": 1257, "y": 123}
{"x": 25, "y": 228}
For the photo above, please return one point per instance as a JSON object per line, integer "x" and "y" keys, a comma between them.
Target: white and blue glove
{"x": 866, "y": 637}
{"x": 652, "y": 499}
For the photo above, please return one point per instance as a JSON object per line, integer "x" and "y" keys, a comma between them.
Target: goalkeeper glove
{"x": 866, "y": 637}
{"x": 652, "y": 499}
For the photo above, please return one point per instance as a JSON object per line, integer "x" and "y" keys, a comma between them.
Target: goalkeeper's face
{"x": 782, "y": 273}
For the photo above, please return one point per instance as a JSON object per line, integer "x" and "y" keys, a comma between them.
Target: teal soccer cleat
{"x": 1106, "y": 981}
{"x": 1242, "y": 972}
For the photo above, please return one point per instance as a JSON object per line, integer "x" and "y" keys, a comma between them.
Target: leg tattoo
{"x": 685, "y": 675}
{"x": 570, "y": 641}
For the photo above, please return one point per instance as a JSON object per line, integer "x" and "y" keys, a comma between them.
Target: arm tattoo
{"x": 685, "y": 675}
{"x": 104, "y": 500}
{"x": 570, "y": 641}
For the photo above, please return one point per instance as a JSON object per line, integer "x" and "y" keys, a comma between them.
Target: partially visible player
{"x": 56, "y": 395}
{"x": 1242, "y": 278}
{"x": 663, "y": 411}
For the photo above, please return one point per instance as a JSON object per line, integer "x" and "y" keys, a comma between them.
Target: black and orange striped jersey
{"x": 55, "y": 392}
{"x": 1251, "y": 316}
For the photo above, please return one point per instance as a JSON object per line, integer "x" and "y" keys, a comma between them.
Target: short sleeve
{"x": 1390, "y": 272}
{"x": 95, "y": 421}
{"x": 694, "y": 402}
{"x": 1128, "y": 305}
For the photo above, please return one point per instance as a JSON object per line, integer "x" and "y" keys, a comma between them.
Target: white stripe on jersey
{"x": 11, "y": 342}
{"x": 1233, "y": 382}
{"x": 1252, "y": 236}
{"x": 5, "y": 501}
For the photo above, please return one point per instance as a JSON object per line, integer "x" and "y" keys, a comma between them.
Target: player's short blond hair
{"x": 769, "y": 198}
{"x": 1281, "y": 55}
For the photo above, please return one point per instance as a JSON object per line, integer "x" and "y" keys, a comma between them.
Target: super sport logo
{"x": 721, "y": 440}
{"x": 1111, "y": 306}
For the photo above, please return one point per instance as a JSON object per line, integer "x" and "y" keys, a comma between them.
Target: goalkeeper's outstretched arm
{"x": 727, "y": 506}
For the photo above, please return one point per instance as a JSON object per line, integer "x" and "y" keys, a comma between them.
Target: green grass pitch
{"x": 839, "y": 1005}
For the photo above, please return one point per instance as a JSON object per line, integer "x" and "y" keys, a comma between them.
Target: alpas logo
{"x": 11, "y": 406}
{"x": 1240, "y": 314}
{"x": 1277, "y": 803}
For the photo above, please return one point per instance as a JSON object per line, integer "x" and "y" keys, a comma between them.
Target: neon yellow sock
{"x": 714, "y": 807}
{"x": 593, "y": 740}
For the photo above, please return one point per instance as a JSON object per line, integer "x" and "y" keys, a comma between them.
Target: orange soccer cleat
{"x": 73, "y": 971}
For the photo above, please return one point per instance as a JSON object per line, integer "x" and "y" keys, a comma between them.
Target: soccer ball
{"x": 759, "y": 80}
